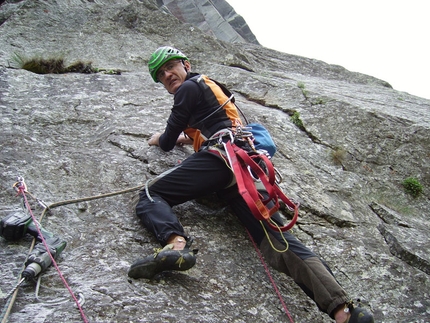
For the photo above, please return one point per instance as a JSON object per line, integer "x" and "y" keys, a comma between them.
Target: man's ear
{"x": 187, "y": 65}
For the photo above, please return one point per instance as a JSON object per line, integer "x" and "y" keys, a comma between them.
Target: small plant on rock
{"x": 80, "y": 67}
{"x": 319, "y": 101}
{"x": 40, "y": 65}
{"x": 295, "y": 118}
{"x": 301, "y": 86}
{"x": 57, "y": 65}
{"x": 412, "y": 186}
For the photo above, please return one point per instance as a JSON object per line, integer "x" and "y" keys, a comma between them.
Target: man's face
{"x": 172, "y": 74}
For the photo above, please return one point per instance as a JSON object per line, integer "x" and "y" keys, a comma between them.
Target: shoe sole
{"x": 179, "y": 260}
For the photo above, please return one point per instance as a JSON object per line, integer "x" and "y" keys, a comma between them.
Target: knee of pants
{"x": 273, "y": 257}
{"x": 296, "y": 251}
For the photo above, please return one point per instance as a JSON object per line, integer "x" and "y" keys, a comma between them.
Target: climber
{"x": 197, "y": 100}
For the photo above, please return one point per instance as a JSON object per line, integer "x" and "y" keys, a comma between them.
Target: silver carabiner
{"x": 278, "y": 176}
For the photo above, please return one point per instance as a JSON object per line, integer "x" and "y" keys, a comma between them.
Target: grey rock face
{"x": 216, "y": 18}
{"x": 74, "y": 136}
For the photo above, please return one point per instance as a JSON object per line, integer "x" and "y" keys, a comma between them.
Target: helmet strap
{"x": 183, "y": 64}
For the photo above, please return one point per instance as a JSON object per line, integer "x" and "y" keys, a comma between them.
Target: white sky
{"x": 387, "y": 39}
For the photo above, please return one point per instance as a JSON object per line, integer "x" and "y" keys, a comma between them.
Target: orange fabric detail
{"x": 229, "y": 108}
{"x": 196, "y": 136}
{"x": 262, "y": 209}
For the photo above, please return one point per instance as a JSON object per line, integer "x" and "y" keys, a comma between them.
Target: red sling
{"x": 242, "y": 165}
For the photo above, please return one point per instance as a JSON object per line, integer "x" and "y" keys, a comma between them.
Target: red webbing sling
{"x": 242, "y": 164}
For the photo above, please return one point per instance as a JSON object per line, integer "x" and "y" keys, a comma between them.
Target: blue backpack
{"x": 263, "y": 140}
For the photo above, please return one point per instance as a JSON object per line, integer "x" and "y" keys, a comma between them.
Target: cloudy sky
{"x": 387, "y": 39}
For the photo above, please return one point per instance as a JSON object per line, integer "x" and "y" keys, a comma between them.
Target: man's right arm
{"x": 154, "y": 140}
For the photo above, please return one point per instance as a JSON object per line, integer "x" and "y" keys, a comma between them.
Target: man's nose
{"x": 167, "y": 74}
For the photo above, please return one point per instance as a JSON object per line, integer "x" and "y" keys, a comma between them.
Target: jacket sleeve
{"x": 185, "y": 103}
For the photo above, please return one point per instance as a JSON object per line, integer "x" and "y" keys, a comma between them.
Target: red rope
{"x": 22, "y": 190}
{"x": 270, "y": 277}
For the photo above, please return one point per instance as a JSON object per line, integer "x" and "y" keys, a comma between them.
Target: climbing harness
{"x": 21, "y": 188}
{"x": 255, "y": 175}
{"x": 244, "y": 165}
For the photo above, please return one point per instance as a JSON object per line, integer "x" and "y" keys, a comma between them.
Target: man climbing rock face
{"x": 204, "y": 116}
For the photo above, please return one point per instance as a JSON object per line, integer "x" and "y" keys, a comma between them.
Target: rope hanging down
{"x": 266, "y": 268}
{"x": 54, "y": 263}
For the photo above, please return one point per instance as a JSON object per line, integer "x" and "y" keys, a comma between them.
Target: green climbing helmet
{"x": 161, "y": 56}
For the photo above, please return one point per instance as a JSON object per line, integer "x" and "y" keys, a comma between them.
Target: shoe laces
{"x": 166, "y": 247}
